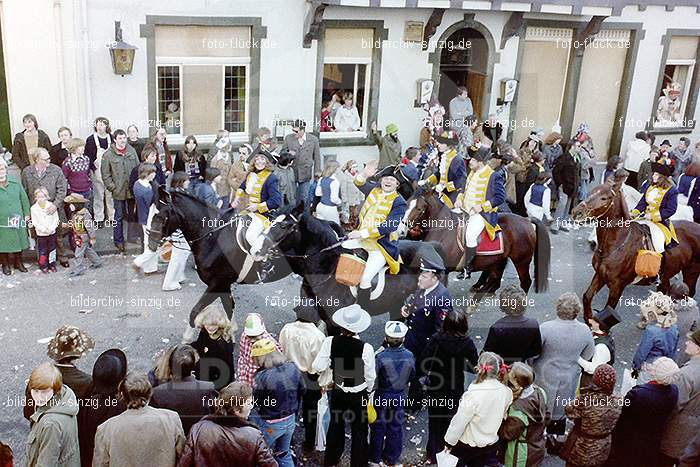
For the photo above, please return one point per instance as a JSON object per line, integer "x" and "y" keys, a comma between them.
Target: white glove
{"x": 422, "y": 182}
{"x": 439, "y": 187}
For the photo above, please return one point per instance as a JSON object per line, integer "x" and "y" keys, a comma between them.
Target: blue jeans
{"x": 278, "y": 437}
{"x": 386, "y": 434}
{"x": 123, "y": 211}
{"x": 303, "y": 192}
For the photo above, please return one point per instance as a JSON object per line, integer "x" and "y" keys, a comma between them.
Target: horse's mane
{"x": 213, "y": 212}
{"x": 326, "y": 232}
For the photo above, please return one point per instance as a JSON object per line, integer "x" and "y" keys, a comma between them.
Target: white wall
{"x": 74, "y": 83}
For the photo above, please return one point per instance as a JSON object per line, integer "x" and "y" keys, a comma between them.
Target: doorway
{"x": 464, "y": 61}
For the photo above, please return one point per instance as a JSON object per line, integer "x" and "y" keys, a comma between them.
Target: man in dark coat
{"x": 191, "y": 398}
{"x": 645, "y": 411}
{"x": 426, "y": 309}
{"x": 103, "y": 401}
{"x": 514, "y": 337}
{"x": 307, "y": 157}
{"x": 566, "y": 175}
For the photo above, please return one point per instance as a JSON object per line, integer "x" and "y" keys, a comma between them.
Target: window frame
{"x": 691, "y": 92}
{"x": 179, "y": 69}
{"x": 223, "y": 62}
{"x": 380, "y": 34}
{"x": 363, "y": 132}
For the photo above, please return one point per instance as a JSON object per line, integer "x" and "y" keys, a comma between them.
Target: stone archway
{"x": 457, "y": 64}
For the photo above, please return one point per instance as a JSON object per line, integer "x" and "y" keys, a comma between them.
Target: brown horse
{"x": 619, "y": 240}
{"x": 427, "y": 218}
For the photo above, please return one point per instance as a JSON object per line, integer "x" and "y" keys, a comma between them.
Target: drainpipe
{"x": 58, "y": 38}
{"x": 86, "y": 62}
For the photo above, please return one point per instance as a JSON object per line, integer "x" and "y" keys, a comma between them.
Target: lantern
{"x": 122, "y": 53}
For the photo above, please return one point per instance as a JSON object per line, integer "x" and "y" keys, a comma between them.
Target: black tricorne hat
{"x": 389, "y": 171}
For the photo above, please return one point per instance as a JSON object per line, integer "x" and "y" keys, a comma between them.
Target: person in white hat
{"x": 253, "y": 330}
{"x": 352, "y": 362}
{"x": 396, "y": 367}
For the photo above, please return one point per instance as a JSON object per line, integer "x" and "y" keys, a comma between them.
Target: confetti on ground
{"x": 93, "y": 282}
{"x": 165, "y": 340}
{"x": 416, "y": 439}
{"x": 134, "y": 280}
{"x": 44, "y": 340}
{"x": 85, "y": 311}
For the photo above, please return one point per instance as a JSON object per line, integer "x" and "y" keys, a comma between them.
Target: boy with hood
{"x": 522, "y": 432}
{"x": 53, "y": 432}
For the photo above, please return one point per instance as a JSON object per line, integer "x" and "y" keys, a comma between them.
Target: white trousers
{"x": 475, "y": 225}
{"x": 148, "y": 260}
{"x": 254, "y": 233}
{"x": 176, "y": 267}
{"x": 375, "y": 262}
{"x": 327, "y": 213}
{"x": 657, "y": 236}
{"x": 102, "y": 203}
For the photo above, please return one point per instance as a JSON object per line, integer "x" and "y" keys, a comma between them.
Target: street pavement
{"x": 121, "y": 308}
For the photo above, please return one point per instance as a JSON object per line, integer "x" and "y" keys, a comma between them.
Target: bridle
{"x": 274, "y": 250}
{"x": 607, "y": 208}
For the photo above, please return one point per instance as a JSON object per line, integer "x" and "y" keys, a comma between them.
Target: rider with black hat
{"x": 380, "y": 217}
{"x": 484, "y": 192}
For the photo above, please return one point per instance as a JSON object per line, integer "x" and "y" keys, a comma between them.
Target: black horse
{"x": 312, "y": 248}
{"x": 212, "y": 238}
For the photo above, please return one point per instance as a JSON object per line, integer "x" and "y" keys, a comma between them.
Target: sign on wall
{"x": 413, "y": 31}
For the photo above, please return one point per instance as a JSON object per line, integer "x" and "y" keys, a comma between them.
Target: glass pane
{"x": 360, "y": 92}
{"x": 669, "y": 106}
{"x": 169, "y": 98}
{"x": 234, "y": 99}
{"x": 341, "y": 80}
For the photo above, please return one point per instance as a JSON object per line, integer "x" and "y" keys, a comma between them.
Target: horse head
{"x": 419, "y": 208}
{"x": 602, "y": 201}
{"x": 283, "y": 234}
{"x": 164, "y": 222}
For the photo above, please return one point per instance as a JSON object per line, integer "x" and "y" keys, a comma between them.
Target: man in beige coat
{"x": 685, "y": 420}
{"x": 142, "y": 435}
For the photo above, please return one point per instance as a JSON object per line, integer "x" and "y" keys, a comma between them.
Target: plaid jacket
{"x": 246, "y": 367}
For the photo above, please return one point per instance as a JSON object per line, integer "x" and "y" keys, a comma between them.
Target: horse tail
{"x": 542, "y": 256}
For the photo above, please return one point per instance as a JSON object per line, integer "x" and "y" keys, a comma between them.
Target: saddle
{"x": 485, "y": 246}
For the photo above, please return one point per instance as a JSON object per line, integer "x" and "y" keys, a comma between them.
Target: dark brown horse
{"x": 619, "y": 240}
{"x": 429, "y": 219}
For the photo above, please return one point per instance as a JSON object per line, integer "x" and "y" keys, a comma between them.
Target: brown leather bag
{"x": 648, "y": 262}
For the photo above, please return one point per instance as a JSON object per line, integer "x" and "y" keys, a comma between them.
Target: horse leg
{"x": 207, "y": 297}
{"x": 690, "y": 277}
{"x": 523, "y": 268}
{"x": 614, "y": 293}
{"x": 496, "y": 276}
{"x": 596, "y": 284}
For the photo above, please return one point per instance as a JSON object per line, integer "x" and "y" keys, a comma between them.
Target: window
{"x": 235, "y": 98}
{"x": 169, "y": 97}
{"x": 347, "y": 68}
{"x": 676, "y": 83}
{"x": 203, "y": 80}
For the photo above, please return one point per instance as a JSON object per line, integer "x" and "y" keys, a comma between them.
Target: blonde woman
{"x": 473, "y": 433}
{"x": 261, "y": 190}
{"x": 215, "y": 346}
{"x": 328, "y": 189}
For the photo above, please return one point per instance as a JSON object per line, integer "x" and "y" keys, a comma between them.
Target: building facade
{"x": 202, "y": 65}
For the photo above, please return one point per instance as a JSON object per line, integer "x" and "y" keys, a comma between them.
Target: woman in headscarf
{"x": 660, "y": 338}
{"x": 594, "y": 414}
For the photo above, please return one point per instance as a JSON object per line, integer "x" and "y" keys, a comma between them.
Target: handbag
{"x": 648, "y": 262}
{"x": 570, "y": 442}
